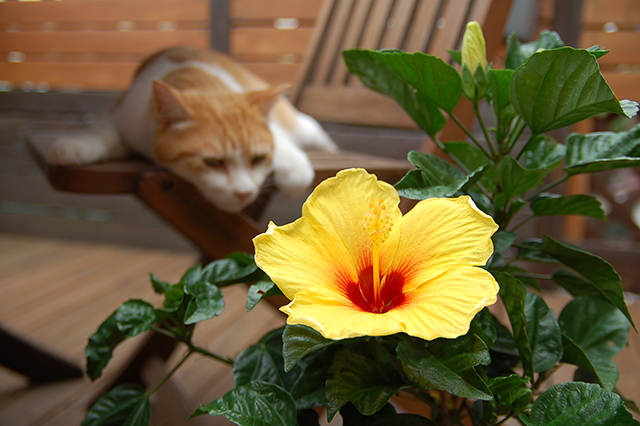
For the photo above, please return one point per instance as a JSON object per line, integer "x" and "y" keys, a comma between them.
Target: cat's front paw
{"x": 77, "y": 150}
{"x": 294, "y": 182}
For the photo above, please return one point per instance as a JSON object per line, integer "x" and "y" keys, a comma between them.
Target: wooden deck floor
{"x": 56, "y": 293}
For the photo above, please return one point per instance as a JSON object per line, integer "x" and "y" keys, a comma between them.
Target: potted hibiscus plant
{"x": 385, "y": 304}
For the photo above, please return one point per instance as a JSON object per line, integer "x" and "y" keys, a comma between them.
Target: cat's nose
{"x": 243, "y": 195}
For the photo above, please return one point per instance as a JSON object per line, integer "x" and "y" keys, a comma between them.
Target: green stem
{"x": 518, "y": 130}
{"x": 521, "y": 223}
{"x": 536, "y": 276}
{"x": 168, "y": 376}
{"x": 548, "y": 187}
{"x": 507, "y": 417}
{"x": 206, "y": 353}
{"x": 435, "y": 407}
{"x": 544, "y": 376}
{"x": 164, "y": 331}
{"x": 470, "y": 135}
{"x": 484, "y": 129}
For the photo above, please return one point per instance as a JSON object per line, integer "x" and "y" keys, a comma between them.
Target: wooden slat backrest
{"x": 93, "y": 45}
{"x": 614, "y": 25}
{"x": 325, "y": 90}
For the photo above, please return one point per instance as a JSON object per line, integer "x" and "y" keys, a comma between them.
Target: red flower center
{"x": 361, "y": 293}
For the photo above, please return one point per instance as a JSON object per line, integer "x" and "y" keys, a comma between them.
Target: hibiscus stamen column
{"x": 378, "y": 226}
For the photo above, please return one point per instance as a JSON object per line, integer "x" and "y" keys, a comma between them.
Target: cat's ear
{"x": 170, "y": 104}
{"x": 264, "y": 100}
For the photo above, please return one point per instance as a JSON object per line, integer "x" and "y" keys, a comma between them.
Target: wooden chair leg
{"x": 36, "y": 363}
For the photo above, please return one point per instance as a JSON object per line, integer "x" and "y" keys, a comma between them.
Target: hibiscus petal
{"x": 302, "y": 255}
{"x": 439, "y": 234}
{"x": 340, "y": 205}
{"x": 335, "y": 317}
{"x": 445, "y": 305}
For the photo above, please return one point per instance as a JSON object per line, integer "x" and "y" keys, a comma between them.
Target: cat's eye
{"x": 258, "y": 159}
{"x": 214, "y": 163}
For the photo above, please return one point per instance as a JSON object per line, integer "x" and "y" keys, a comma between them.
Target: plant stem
{"x": 507, "y": 417}
{"x": 435, "y": 407}
{"x": 168, "y": 376}
{"x": 468, "y": 133}
{"x": 518, "y": 130}
{"x": 484, "y": 129}
{"x": 544, "y": 376}
{"x": 521, "y": 223}
{"x": 206, "y": 353}
{"x": 548, "y": 187}
{"x": 164, "y": 331}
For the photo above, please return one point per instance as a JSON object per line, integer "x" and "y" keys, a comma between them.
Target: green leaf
{"x": 134, "y": 317}
{"x": 259, "y": 291}
{"x": 578, "y": 404}
{"x": 420, "y": 83}
{"x": 603, "y": 333}
{"x": 173, "y": 298}
{"x": 531, "y": 250}
{"x": 235, "y": 268}
{"x": 513, "y": 295}
{"x": 579, "y": 204}
{"x": 597, "y": 152}
{"x": 510, "y": 393}
{"x": 543, "y": 152}
{"x": 604, "y": 370}
{"x": 158, "y": 285}
{"x": 447, "y": 365}
{"x": 597, "y": 272}
{"x": 521, "y": 274}
{"x": 545, "y": 336}
{"x": 471, "y": 156}
{"x": 517, "y": 180}
{"x": 434, "y": 178}
{"x": 207, "y": 301}
{"x": 300, "y": 340}
{"x": 365, "y": 374}
{"x": 502, "y": 240}
{"x": 124, "y": 405}
{"x": 518, "y": 53}
{"x": 261, "y": 362}
{"x": 500, "y": 87}
{"x": 560, "y": 87}
{"x": 482, "y": 326}
{"x": 254, "y": 404}
{"x": 309, "y": 387}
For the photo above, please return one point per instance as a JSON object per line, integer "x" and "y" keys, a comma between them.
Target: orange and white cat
{"x": 208, "y": 120}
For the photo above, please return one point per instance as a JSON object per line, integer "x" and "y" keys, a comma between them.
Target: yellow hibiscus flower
{"x": 353, "y": 265}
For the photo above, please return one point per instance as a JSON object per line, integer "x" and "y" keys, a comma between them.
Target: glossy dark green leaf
{"x": 124, "y": 405}
{"x": 502, "y": 240}
{"x": 518, "y": 53}
{"x": 259, "y": 291}
{"x": 597, "y": 152}
{"x": 447, "y": 365}
{"x": 434, "y": 178}
{"x": 309, "y": 385}
{"x": 500, "y": 86}
{"x": 545, "y": 336}
{"x": 579, "y": 204}
{"x": 521, "y": 274}
{"x": 134, "y": 317}
{"x": 510, "y": 393}
{"x": 482, "y": 326}
{"x": 299, "y": 341}
{"x": 365, "y": 374}
{"x": 560, "y": 87}
{"x": 517, "y": 180}
{"x": 158, "y": 285}
{"x": 597, "y": 272}
{"x": 207, "y": 301}
{"x": 469, "y": 155}
{"x": 543, "y": 152}
{"x": 578, "y": 404}
{"x": 420, "y": 83}
{"x": 603, "y": 333}
{"x": 192, "y": 275}
{"x": 513, "y": 295}
{"x": 254, "y": 404}
{"x": 235, "y": 268}
{"x": 173, "y": 298}
{"x": 605, "y": 370}
{"x": 261, "y": 362}
{"x": 531, "y": 250}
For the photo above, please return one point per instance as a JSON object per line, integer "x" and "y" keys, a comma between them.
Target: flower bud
{"x": 474, "y": 62}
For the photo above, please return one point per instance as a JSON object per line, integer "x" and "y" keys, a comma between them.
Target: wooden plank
{"x": 65, "y": 76}
{"x": 362, "y": 107}
{"x": 599, "y": 12}
{"x": 418, "y": 35}
{"x": 625, "y": 86}
{"x": 449, "y": 28}
{"x": 101, "y": 41}
{"x": 269, "y": 41}
{"x": 398, "y": 23}
{"x": 275, "y": 73}
{"x": 376, "y": 25}
{"x": 624, "y": 45}
{"x": 112, "y": 10}
{"x": 332, "y": 39}
{"x": 272, "y": 9}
